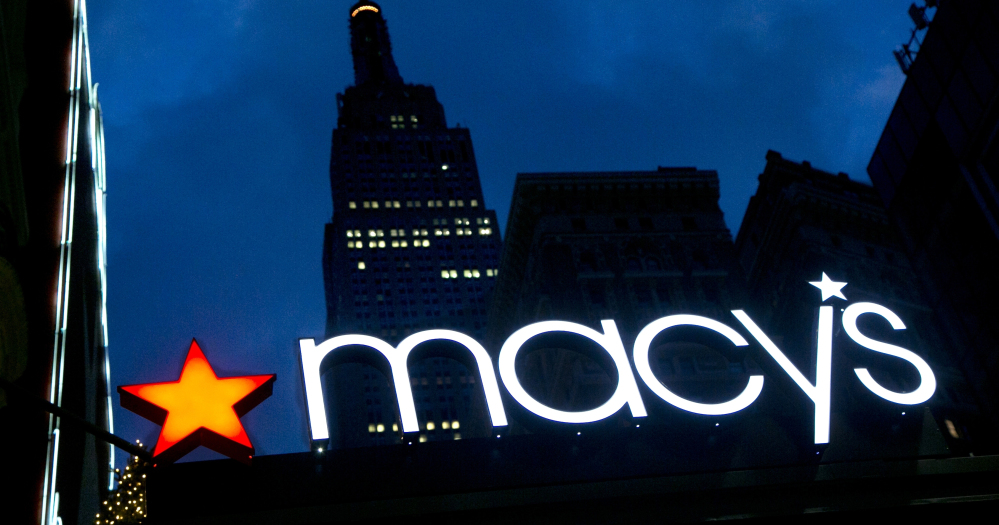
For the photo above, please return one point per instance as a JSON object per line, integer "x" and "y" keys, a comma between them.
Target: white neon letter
{"x": 313, "y": 355}
{"x": 819, "y": 393}
{"x": 494, "y": 403}
{"x": 610, "y": 340}
{"x": 927, "y": 381}
{"x": 644, "y": 340}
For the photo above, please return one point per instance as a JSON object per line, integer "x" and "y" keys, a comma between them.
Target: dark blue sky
{"x": 218, "y": 118}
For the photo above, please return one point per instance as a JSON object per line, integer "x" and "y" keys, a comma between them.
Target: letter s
{"x": 927, "y": 381}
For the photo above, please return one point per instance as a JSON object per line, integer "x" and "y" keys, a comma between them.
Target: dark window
{"x": 652, "y": 264}
{"x": 633, "y": 264}
{"x": 645, "y": 223}
{"x": 578, "y": 225}
{"x": 689, "y": 224}
{"x": 621, "y": 223}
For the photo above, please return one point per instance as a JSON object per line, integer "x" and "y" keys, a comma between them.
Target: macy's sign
{"x": 627, "y": 392}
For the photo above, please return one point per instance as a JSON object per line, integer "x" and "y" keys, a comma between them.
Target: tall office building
{"x": 410, "y": 247}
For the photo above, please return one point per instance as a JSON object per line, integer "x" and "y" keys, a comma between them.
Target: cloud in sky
{"x": 219, "y": 116}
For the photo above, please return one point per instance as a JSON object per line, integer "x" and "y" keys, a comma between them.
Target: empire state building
{"x": 411, "y": 246}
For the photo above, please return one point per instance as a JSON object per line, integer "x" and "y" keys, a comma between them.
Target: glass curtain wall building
{"x": 411, "y": 246}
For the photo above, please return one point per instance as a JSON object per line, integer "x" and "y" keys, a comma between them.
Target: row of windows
{"x": 453, "y": 203}
{"x": 394, "y": 243}
{"x": 423, "y": 438}
{"x": 469, "y": 274}
{"x": 401, "y": 232}
{"x": 399, "y": 121}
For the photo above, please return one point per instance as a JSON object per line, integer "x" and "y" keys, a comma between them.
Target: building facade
{"x": 803, "y": 222}
{"x": 629, "y": 246}
{"x": 411, "y": 246}
{"x": 936, "y": 168}
{"x": 53, "y": 324}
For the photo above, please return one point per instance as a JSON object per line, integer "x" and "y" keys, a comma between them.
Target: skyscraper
{"x": 410, "y": 246}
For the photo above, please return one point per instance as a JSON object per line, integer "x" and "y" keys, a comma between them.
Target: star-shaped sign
{"x": 198, "y": 409}
{"x": 829, "y": 287}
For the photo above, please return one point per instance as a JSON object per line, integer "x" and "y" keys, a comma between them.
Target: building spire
{"x": 370, "y": 46}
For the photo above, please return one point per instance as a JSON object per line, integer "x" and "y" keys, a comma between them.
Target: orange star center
{"x": 199, "y": 399}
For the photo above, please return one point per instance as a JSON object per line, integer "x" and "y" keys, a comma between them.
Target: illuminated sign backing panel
{"x": 199, "y": 409}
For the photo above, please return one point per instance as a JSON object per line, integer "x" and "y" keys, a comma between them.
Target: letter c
{"x": 644, "y": 340}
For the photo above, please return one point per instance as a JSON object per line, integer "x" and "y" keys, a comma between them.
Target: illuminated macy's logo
{"x": 627, "y": 392}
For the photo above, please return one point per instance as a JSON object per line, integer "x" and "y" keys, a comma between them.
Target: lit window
{"x": 388, "y": 204}
{"x": 426, "y": 243}
{"x": 360, "y": 265}
{"x": 404, "y": 244}
{"x": 409, "y": 204}
{"x": 444, "y": 166}
{"x": 478, "y": 220}
{"x": 485, "y": 221}
{"x": 372, "y": 244}
{"x": 457, "y": 221}
{"x": 395, "y": 244}
{"x": 350, "y": 244}
{"x": 357, "y": 233}
{"x": 392, "y": 118}
{"x": 468, "y": 231}
{"x": 367, "y": 204}
{"x": 450, "y": 203}
{"x": 352, "y": 205}
{"x": 423, "y": 233}
{"x": 474, "y": 203}
{"x": 440, "y": 204}
{"x": 416, "y": 233}
{"x": 455, "y": 425}
{"x": 395, "y": 427}
{"x": 430, "y": 425}
{"x": 476, "y": 274}
{"x": 485, "y": 231}
{"x": 372, "y": 233}
{"x": 380, "y": 427}
{"x": 371, "y": 427}
{"x": 350, "y": 233}
{"x": 381, "y": 233}
{"x": 417, "y": 203}
{"x": 489, "y": 272}
{"x": 459, "y": 231}
{"x": 468, "y": 274}
{"x": 402, "y": 232}
{"x": 454, "y": 274}
{"x": 374, "y": 204}
{"x": 445, "y": 425}
{"x": 445, "y": 274}
{"x": 461, "y": 203}
{"x": 423, "y": 439}
{"x": 412, "y": 118}
{"x": 447, "y": 232}
{"x": 381, "y": 244}
{"x": 438, "y": 232}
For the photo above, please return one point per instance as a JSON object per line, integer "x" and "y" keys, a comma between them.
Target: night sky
{"x": 218, "y": 118}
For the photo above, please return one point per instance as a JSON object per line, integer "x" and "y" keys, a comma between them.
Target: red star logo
{"x": 199, "y": 409}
